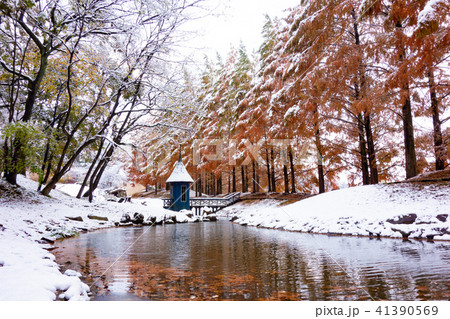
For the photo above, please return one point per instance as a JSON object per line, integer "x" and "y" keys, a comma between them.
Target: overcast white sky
{"x": 242, "y": 20}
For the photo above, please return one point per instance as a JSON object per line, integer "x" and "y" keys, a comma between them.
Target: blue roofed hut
{"x": 179, "y": 182}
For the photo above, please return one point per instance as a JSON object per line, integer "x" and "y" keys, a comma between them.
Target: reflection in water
{"x": 224, "y": 261}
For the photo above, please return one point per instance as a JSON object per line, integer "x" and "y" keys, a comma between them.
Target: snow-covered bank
{"x": 27, "y": 269}
{"x": 417, "y": 210}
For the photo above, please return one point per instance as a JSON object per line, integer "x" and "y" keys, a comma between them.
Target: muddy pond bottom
{"x": 225, "y": 261}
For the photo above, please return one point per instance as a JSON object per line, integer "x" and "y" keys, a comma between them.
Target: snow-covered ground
{"x": 27, "y": 269}
{"x": 419, "y": 210}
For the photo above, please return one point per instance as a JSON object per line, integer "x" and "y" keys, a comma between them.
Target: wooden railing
{"x": 214, "y": 202}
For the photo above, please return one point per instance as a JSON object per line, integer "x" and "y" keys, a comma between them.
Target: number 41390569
{"x": 407, "y": 310}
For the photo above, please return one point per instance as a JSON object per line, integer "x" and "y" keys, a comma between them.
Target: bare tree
{"x": 129, "y": 41}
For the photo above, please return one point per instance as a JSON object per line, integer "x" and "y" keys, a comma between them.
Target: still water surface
{"x": 225, "y": 261}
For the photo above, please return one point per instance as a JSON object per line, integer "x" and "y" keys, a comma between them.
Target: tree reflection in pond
{"x": 223, "y": 261}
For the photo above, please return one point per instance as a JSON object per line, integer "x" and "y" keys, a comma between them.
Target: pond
{"x": 226, "y": 261}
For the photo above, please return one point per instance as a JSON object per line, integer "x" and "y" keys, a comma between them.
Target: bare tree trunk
{"x": 291, "y": 161}
{"x": 369, "y": 170}
{"x": 408, "y": 128}
{"x": 94, "y": 182}
{"x": 207, "y": 183}
{"x": 269, "y": 178}
{"x": 246, "y": 178}
{"x": 48, "y": 170}
{"x": 321, "y": 178}
{"x": 99, "y": 170}
{"x": 363, "y": 152}
{"x": 243, "y": 179}
{"x": 88, "y": 174}
{"x": 258, "y": 184}
{"x": 371, "y": 150}
{"x": 272, "y": 157}
{"x": 234, "y": 179}
{"x": 44, "y": 164}
{"x": 62, "y": 171}
{"x": 439, "y": 148}
{"x": 33, "y": 89}
{"x": 320, "y": 173}
{"x": 254, "y": 188}
{"x": 286, "y": 179}
{"x": 197, "y": 185}
{"x": 219, "y": 184}
{"x": 10, "y": 177}
{"x": 211, "y": 183}
{"x": 10, "y": 171}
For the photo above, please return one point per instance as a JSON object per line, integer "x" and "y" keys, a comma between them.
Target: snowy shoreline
{"x": 413, "y": 211}
{"x": 344, "y": 235}
{"x": 29, "y": 221}
{"x": 28, "y": 271}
